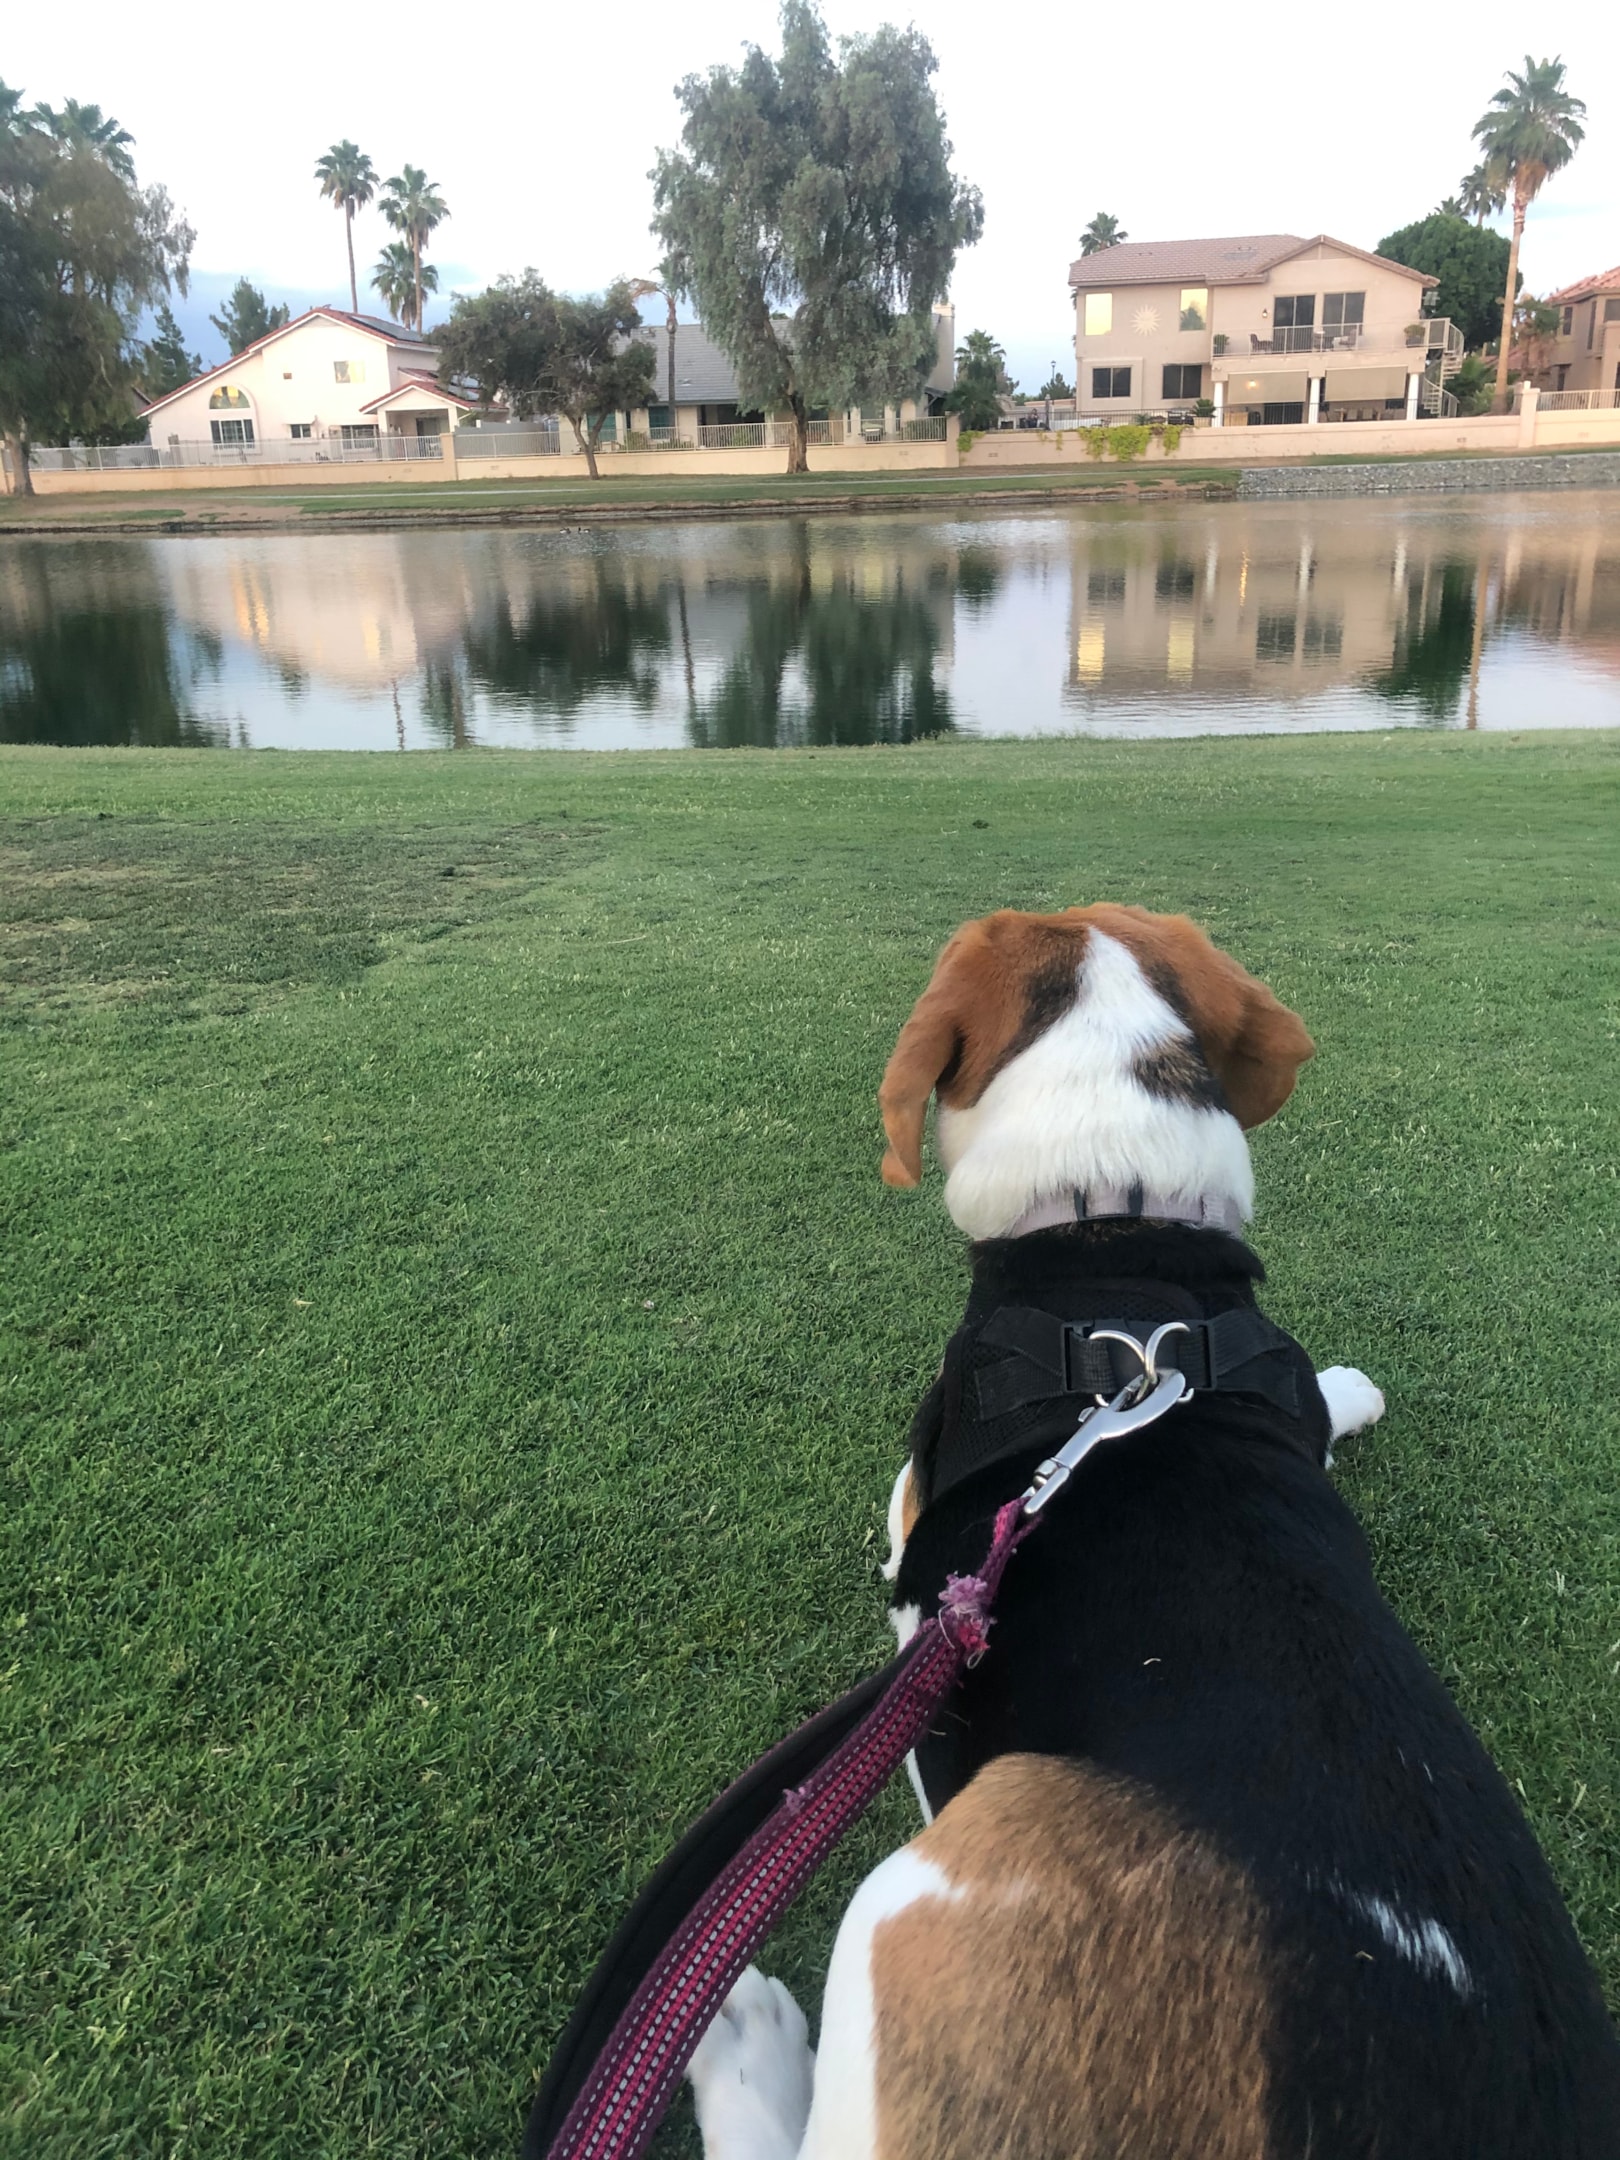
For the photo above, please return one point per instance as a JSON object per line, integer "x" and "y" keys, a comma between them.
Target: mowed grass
{"x": 456, "y": 1344}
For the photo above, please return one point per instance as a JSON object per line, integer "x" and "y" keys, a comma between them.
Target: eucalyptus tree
{"x": 412, "y": 205}
{"x": 1532, "y": 130}
{"x": 1104, "y": 231}
{"x": 814, "y": 207}
{"x": 84, "y": 252}
{"x": 395, "y": 277}
{"x": 348, "y": 181}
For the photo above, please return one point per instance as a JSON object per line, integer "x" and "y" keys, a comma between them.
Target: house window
{"x": 349, "y": 371}
{"x": 301, "y": 430}
{"x": 356, "y": 437}
{"x": 1194, "y": 307}
{"x": 1110, "y": 382}
{"x": 227, "y": 398}
{"x": 1563, "y": 375}
{"x": 1099, "y": 314}
{"x": 1591, "y": 326}
{"x": 1343, "y": 310}
{"x": 231, "y": 431}
{"x": 1567, "y": 325}
{"x": 1183, "y": 381}
{"x": 1294, "y": 311}
{"x": 1611, "y": 311}
{"x": 660, "y": 416}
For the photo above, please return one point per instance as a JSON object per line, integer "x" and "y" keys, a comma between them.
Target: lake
{"x": 1203, "y": 618}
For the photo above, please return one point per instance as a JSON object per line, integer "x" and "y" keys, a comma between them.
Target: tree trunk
{"x": 587, "y": 433}
{"x": 22, "y": 480}
{"x": 416, "y": 271}
{"x": 1499, "y": 402}
{"x": 799, "y": 434}
{"x": 674, "y": 433}
{"x": 348, "y": 229}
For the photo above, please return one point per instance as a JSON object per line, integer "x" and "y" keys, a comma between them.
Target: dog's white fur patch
{"x": 1423, "y": 1943}
{"x": 1067, "y": 1113}
{"x": 843, "y": 2113}
{"x": 897, "y": 1522}
{"x": 1352, "y": 1400}
{"x": 752, "y": 2074}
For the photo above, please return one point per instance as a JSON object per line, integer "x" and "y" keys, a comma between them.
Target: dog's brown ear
{"x": 929, "y": 1046}
{"x": 1254, "y": 1044}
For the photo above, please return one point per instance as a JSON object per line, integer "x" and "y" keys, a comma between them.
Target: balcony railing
{"x": 1579, "y": 401}
{"x": 1438, "y": 335}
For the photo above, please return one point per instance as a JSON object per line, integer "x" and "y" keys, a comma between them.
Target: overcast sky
{"x": 540, "y": 126}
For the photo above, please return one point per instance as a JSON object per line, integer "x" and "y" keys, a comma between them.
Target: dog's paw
{"x": 752, "y": 2074}
{"x": 1352, "y": 1400}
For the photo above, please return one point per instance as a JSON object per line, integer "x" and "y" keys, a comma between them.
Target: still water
{"x": 1219, "y": 618}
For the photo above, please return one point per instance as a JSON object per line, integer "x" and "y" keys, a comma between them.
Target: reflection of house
{"x": 1583, "y": 353}
{"x": 330, "y": 379}
{"x": 1270, "y": 327}
{"x": 1251, "y": 599}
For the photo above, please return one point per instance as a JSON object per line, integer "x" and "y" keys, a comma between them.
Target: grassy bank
{"x": 456, "y": 1345}
{"x": 474, "y": 501}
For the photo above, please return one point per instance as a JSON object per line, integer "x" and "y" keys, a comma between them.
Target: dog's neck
{"x": 1112, "y": 1101}
{"x": 1207, "y": 1211}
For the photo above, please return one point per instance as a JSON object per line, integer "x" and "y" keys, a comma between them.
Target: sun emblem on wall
{"x": 1145, "y": 320}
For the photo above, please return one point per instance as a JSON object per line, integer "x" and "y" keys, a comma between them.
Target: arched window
{"x": 227, "y": 398}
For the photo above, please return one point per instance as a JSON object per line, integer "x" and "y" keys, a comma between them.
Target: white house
{"x": 331, "y": 381}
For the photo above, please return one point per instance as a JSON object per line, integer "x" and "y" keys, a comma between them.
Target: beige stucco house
{"x": 1583, "y": 354}
{"x": 1268, "y": 326}
{"x": 329, "y": 385}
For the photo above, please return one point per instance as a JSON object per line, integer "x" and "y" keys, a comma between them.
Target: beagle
{"x": 1212, "y": 1866}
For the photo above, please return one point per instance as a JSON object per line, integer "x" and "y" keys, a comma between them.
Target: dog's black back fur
{"x": 1197, "y": 1615}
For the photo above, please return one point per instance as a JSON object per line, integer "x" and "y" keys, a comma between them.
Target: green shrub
{"x": 1171, "y": 438}
{"x": 1126, "y": 443}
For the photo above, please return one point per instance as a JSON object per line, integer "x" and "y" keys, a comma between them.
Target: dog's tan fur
{"x": 1099, "y": 1983}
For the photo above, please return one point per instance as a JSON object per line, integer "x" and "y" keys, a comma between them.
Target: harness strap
{"x": 1051, "y": 1357}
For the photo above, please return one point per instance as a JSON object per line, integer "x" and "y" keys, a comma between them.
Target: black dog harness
{"x": 1052, "y": 1324}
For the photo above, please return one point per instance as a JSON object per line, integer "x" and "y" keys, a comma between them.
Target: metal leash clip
{"x": 1141, "y": 1401}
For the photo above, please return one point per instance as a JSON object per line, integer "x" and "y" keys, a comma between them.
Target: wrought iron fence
{"x": 176, "y": 456}
{"x": 735, "y": 435}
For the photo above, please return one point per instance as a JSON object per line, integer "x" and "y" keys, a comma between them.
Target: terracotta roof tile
{"x": 1606, "y": 281}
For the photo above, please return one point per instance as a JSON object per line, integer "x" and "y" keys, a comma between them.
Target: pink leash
{"x": 629, "y": 2085}
{"x": 633, "y": 2080}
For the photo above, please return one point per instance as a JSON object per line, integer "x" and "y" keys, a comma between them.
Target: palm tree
{"x": 1530, "y": 133}
{"x": 412, "y": 204}
{"x": 672, "y": 283}
{"x": 1480, "y": 194}
{"x": 86, "y": 127}
{"x": 1102, "y": 232}
{"x": 349, "y": 179}
{"x": 395, "y": 278}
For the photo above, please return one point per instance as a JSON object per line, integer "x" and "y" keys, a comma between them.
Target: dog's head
{"x": 1089, "y": 1032}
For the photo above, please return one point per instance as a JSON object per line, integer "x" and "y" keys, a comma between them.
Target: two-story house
{"x": 330, "y": 383}
{"x": 1272, "y": 329}
{"x": 1583, "y": 354}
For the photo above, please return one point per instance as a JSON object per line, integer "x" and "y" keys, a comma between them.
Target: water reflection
{"x": 1498, "y": 612}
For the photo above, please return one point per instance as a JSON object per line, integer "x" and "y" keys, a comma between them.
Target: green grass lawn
{"x": 456, "y": 1344}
